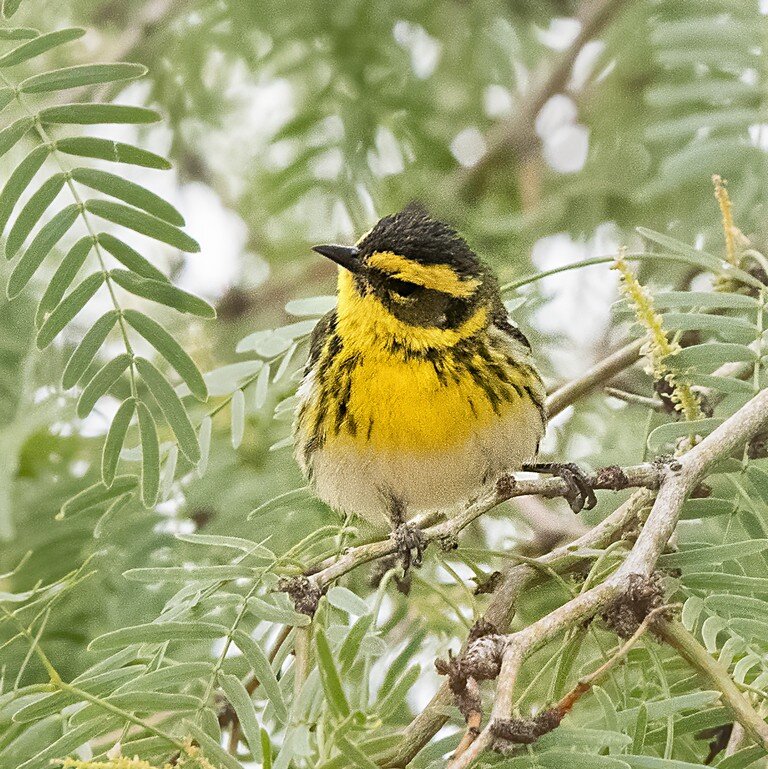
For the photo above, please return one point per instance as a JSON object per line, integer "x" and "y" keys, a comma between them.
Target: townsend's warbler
{"x": 418, "y": 391}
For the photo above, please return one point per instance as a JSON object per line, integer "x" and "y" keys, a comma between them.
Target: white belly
{"x": 354, "y": 478}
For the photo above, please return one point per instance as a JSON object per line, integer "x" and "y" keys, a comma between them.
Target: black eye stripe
{"x": 402, "y": 287}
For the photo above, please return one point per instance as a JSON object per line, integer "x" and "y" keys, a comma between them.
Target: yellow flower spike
{"x": 658, "y": 347}
{"x": 726, "y": 210}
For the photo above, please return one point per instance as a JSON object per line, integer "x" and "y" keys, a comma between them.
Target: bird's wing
{"x": 320, "y": 332}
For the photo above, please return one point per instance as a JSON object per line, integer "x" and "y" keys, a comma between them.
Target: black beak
{"x": 347, "y": 257}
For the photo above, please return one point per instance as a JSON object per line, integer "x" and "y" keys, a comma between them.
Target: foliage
{"x": 148, "y": 511}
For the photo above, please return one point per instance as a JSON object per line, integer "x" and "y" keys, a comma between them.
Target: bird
{"x": 418, "y": 391}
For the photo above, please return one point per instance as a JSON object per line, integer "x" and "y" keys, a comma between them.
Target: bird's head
{"x": 412, "y": 277}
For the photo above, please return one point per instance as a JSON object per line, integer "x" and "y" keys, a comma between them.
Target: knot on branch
{"x": 384, "y": 565}
{"x": 626, "y": 612}
{"x": 505, "y": 486}
{"x": 480, "y": 662}
{"x": 304, "y": 593}
{"x": 509, "y": 732}
{"x": 611, "y": 477}
{"x": 487, "y": 584}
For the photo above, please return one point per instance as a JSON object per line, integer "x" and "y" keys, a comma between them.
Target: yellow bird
{"x": 419, "y": 391}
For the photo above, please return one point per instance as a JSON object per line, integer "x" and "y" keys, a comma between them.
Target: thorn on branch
{"x": 626, "y": 612}
{"x": 304, "y": 593}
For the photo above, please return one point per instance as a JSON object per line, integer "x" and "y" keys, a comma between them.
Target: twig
{"x": 640, "y": 400}
{"x": 596, "y": 377}
{"x": 639, "y": 565}
{"x": 555, "y": 714}
{"x": 645, "y": 475}
{"x": 501, "y": 608}
{"x": 674, "y": 633}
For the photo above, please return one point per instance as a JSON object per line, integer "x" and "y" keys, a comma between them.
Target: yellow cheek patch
{"x": 363, "y": 322}
{"x": 439, "y": 277}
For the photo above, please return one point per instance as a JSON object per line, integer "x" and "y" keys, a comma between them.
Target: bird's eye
{"x": 402, "y": 287}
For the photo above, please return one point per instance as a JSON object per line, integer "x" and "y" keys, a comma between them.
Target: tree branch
{"x": 516, "y": 136}
{"x": 716, "y": 674}
{"x": 615, "y": 478}
{"x": 639, "y": 565}
{"x": 500, "y": 610}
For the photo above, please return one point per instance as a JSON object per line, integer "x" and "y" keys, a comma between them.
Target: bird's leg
{"x": 580, "y": 495}
{"x": 409, "y": 539}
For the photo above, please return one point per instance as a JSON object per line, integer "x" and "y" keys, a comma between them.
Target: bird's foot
{"x": 580, "y": 495}
{"x": 410, "y": 545}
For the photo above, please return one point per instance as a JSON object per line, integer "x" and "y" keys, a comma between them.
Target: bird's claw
{"x": 580, "y": 495}
{"x": 410, "y": 545}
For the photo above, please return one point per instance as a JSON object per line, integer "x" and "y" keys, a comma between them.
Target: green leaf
{"x": 354, "y": 755}
{"x": 163, "y": 292}
{"x": 98, "y": 494}
{"x": 707, "y": 508}
{"x": 710, "y": 355}
{"x": 62, "y": 279}
{"x": 704, "y": 300}
{"x": 143, "y": 223}
{"x": 158, "y": 632}
{"x": 713, "y": 581}
{"x": 40, "y": 45}
{"x": 726, "y": 385}
{"x": 698, "y": 556}
{"x": 669, "y": 432}
{"x": 662, "y": 708}
{"x": 150, "y": 457}
{"x": 266, "y": 750}
{"x": 557, "y": 759}
{"x": 141, "y": 702}
{"x": 641, "y": 727}
{"x": 742, "y": 758}
{"x": 71, "y": 740}
{"x": 171, "y": 676}
{"x": 262, "y": 387}
{"x": 172, "y": 409}
{"x": 169, "y": 472}
{"x": 16, "y": 33}
{"x": 115, "y": 439}
{"x": 129, "y": 192}
{"x": 732, "y": 329}
{"x": 235, "y": 543}
{"x": 241, "y": 701}
{"x": 237, "y": 417}
{"x": 12, "y": 134}
{"x": 6, "y": 97}
{"x": 314, "y": 306}
{"x": 84, "y": 353}
{"x": 104, "y": 378}
{"x": 171, "y": 350}
{"x": 270, "y": 612}
{"x": 223, "y": 573}
{"x": 80, "y": 75}
{"x": 651, "y": 762}
{"x": 329, "y": 676}
{"x": 737, "y": 605}
{"x": 130, "y": 258}
{"x": 116, "y": 152}
{"x": 32, "y": 212}
{"x": 48, "y": 236}
{"x": 19, "y": 180}
{"x": 347, "y": 601}
{"x": 211, "y": 748}
{"x": 394, "y": 698}
{"x": 68, "y": 308}
{"x": 97, "y": 114}
{"x": 262, "y": 669}
{"x": 204, "y": 439}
